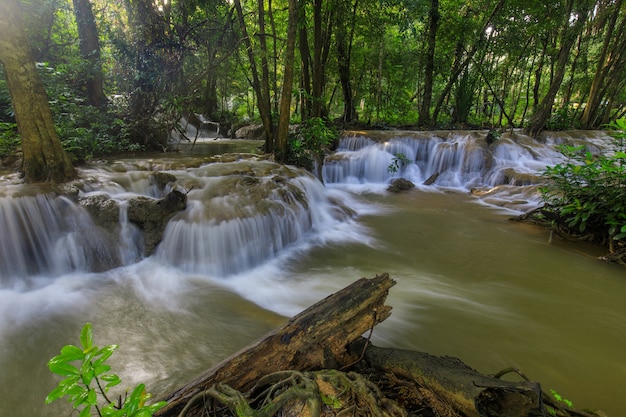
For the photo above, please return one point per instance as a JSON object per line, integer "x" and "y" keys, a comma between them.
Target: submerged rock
{"x": 400, "y": 185}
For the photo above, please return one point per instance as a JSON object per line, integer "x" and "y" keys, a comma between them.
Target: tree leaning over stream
{"x": 44, "y": 159}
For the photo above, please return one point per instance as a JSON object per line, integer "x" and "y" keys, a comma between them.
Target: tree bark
{"x": 89, "y": 47}
{"x": 314, "y": 339}
{"x": 468, "y": 392}
{"x": 44, "y": 159}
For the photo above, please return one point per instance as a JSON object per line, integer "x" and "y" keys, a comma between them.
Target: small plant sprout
{"x": 88, "y": 380}
{"x": 399, "y": 161}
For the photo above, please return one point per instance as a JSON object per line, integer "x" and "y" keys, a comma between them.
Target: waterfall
{"x": 457, "y": 160}
{"x": 49, "y": 235}
{"x": 234, "y": 223}
{"x": 242, "y": 214}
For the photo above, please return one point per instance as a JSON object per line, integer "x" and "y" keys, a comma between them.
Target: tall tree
{"x": 259, "y": 84}
{"x": 285, "y": 101}
{"x": 429, "y": 67}
{"x": 611, "y": 62}
{"x": 578, "y": 10}
{"x": 43, "y": 156}
{"x": 344, "y": 38}
{"x": 89, "y": 46}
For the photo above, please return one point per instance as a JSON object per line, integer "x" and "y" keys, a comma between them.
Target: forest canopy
{"x": 119, "y": 75}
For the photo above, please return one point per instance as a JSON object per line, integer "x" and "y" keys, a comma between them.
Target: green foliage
{"x": 560, "y": 398}
{"x": 399, "y": 162}
{"x": 9, "y": 140}
{"x": 588, "y": 192}
{"x": 87, "y": 377}
{"x": 309, "y": 142}
{"x": 85, "y": 131}
{"x": 562, "y": 119}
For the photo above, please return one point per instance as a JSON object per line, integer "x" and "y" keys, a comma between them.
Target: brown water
{"x": 470, "y": 284}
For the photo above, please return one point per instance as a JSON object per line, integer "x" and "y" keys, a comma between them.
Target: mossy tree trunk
{"x": 44, "y": 159}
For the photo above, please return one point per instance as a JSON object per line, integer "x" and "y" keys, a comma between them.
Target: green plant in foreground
{"x": 87, "y": 378}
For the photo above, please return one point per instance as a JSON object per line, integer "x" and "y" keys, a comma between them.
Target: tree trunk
{"x": 263, "y": 102}
{"x": 606, "y": 62}
{"x": 89, "y": 47}
{"x": 458, "y": 69}
{"x": 43, "y": 156}
{"x": 344, "y": 52}
{"x": 314, "y": 339}
{"x": 466, "y": 391}
{"x": 285, "y": 101}
{"x": 433, "y": 24}
{"x": 305, "y": 55}
{"x": 568, "y": 38}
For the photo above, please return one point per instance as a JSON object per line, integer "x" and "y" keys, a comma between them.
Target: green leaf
{"x": 99, "y": 370}
{"x": 71, "y": 353}
{"x": 62, "y": 368}
{"x": 111, "y": 379}
{"x": 85, "y": 411}
{"x": 104, "y": 354}
{"x": 86, "y": 337}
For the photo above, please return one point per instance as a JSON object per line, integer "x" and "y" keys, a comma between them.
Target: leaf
{"x": 86, "y": 337}
{"x": 71, "y": 353}
{"x": 85, "y": 411}
{"x": 62, "y": 368}
{"x": 104, "y": 354}
{"x": 99, "y": 370}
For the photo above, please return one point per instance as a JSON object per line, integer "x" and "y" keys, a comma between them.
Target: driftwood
{"x": 313, "y": 339}
{"x": 319, "y": 364}
{"x": 457, "y": 388}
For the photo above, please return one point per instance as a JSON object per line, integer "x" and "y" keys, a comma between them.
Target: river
{"x": 470, "y": 282}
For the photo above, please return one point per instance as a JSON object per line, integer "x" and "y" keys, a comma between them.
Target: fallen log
{"x": 314, "y": 339}
{"x": 457, "y": 387}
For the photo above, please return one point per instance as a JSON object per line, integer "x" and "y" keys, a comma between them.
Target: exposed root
{"x": 322, "y": 393}
{"x": 554, "y": 407}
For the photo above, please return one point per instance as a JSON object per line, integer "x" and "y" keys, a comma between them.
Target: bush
{"x": 309, "y": 142}
{"x": 587, "y": 193}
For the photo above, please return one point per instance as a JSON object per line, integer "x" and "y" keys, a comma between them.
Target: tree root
{"x": 554, "y": 406}
{"x": 322, "y": 393}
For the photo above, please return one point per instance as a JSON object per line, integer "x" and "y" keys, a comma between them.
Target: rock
{"x": 431, "y": 180}
{"x": 151, "y": 216}
{"x": 400, "y": 185}
{"x": 253, "y": 132}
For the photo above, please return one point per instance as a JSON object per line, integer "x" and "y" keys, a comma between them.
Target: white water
{"x": 255, "y": 231}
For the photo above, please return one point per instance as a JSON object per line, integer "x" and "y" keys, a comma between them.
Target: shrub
{"x": 587, "y": 193}
{"x": 309, "y": 142}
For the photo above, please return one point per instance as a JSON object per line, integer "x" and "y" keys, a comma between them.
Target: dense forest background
{"x": 120, "y": 74}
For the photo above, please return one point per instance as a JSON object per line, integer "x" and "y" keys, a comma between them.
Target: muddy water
{"x": 471, "y": 284}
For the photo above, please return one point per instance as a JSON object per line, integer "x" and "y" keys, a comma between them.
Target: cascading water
{"x": 235, "y": 222}
{"x": 49, "y": 235}
{"x": 239, "y": 215}
{"x": 457, "y": 160}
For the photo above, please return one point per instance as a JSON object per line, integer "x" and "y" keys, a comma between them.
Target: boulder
{"x": 400, "y": 185}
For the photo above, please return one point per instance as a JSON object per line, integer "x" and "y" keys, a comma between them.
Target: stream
{"x": 259, "y": 242}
